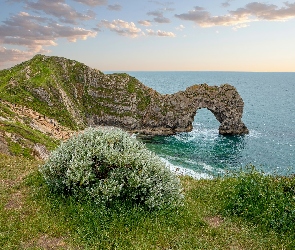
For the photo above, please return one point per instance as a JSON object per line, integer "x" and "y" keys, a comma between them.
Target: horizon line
{"x": 228, "y": 71}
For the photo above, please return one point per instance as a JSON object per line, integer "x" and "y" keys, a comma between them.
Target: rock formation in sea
{"x": 69, "y": 96}
{"x": 140, "y": 109}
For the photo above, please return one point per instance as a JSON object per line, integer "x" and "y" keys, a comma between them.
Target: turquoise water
{"x": 269, "y": 113}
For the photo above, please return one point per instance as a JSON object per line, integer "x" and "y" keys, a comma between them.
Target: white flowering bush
{"x": 108, "y": 165}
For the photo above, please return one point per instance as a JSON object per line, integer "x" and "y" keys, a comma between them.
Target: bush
{"x": 266, "y": 200}
{"x": 108, "y": 165}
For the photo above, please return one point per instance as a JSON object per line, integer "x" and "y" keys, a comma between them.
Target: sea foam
{"x": 178, "y": 170}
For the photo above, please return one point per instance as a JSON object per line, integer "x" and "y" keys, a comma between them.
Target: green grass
{"x": 5, "y": 111}
{"x": 33, "y": 218}
{"x": 40, "y": 75}
{"x": 34, "y": 136}
{"x": 26, "y": 138}
{"x": 268, "y": 201}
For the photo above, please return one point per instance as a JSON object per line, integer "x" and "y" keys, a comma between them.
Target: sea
{"x": 269, "y": 114}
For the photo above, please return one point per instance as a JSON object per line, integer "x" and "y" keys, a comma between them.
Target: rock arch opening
{"x": 205, "y": 119}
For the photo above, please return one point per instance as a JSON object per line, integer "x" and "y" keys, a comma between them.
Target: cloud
{"x": 243, "y": 25}
{"x": 165, "y": 5}
{"x": 121, "y": 27}
{"x": 8, "y": 56}
{"x": 34, "y": 28}
{"x": 169, "y": 9}
{"x": 15, "y": 1}
{"x": 72, "y": 34}
{"x": 180, "y": 27}
{"x": 151, "y": 32}
{"x": 144, "y": 22}
{"x": 115, "y": 7}
{"x": 61, "y": 10}
{"x": 161, "y": 3}
{"x": 267, "y": 11}
{"x": 226, "y": 3}
{"x": 251, "y": 12}
{"x": 33, "y": 34}
{"x": 158, "y": 16}
{"x": 204, "y": 19}
{"x": 92, "y": 3}
{"x": 130, "y": 30}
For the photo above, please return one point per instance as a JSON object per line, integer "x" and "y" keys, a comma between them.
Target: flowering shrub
{"x": 107, "y": 165}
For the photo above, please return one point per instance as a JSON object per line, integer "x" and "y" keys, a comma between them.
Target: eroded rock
{"x": 151, "y": 113}
{"x": 79, "y": 96}
{"x": 40, "y": 151}
{"x": 3, "y": 145}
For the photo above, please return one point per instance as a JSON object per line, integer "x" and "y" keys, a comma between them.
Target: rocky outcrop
{"x": 169, "y": 114}
{"x": 140, "y": 109}
{"x": 3, "y": 144}
{"x": 76, "y": 96}
{"x": 38, "y": 121}
{"x": 224, "y": 102}
{"x": 40, "y": 151}
{"x": 18, "y": 135}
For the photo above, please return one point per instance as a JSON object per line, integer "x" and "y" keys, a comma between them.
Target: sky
{"x": 151, "y": 35}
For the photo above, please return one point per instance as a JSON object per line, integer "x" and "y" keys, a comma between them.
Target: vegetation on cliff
{"x": 34, "y": 84}
{"x": 46, "y": 99}
{"x": 71, "y": 92}
{"x": 77, "y": 96}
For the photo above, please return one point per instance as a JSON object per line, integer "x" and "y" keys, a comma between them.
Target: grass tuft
{"x": 264, "y": 200}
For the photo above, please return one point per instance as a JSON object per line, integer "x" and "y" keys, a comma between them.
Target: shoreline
{"x": 181, "y": 171}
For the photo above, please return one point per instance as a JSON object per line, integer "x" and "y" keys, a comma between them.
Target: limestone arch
{"x": 224, "y": 102}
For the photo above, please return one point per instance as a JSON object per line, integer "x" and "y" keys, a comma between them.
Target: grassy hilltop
{"x": 47, "y": 99}
{"x": 36, "y": 84}
{"x": 66, "y": 90}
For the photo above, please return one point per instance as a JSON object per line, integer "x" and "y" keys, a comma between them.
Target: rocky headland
{"x": 57, "y": 96}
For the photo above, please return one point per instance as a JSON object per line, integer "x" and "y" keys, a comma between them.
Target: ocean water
{"x": 269, "y": 114}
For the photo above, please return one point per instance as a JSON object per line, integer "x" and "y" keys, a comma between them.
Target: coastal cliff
{"x": 57, "y": 96}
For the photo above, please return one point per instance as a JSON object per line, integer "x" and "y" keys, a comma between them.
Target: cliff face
{"x": 67, "y": 95}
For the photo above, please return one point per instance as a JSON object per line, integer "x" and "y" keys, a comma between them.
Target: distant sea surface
{"x": 269, "y": 114}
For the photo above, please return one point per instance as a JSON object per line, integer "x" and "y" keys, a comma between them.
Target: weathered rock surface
{"x": 137, "y": 108}
{"x": 38, "y": 121}
{"x": 3, "y": 145}
{"x": 75, "y": 95}
{"x": 40, "y": 151}
{"x": 169, "y": 114}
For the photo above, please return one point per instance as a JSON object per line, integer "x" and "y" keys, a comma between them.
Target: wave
{"x": 198, "y": 132}
{"x": 255, "y": 134}
{"x": 178, "y": 170}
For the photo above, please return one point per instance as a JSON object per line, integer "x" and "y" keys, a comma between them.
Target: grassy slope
{"x": 32, "y": 218}
{"x": 51, "y": 76}
{"x": 42, "y": 83}
{"x": 17, "y": 85}
{"x": 20, "y": 137}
